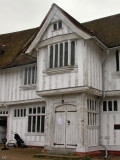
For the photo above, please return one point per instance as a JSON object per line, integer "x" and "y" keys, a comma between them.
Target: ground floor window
{"x": 36, "y": 119}
{"x": 110, "y": 106}
{"x": 20, "y": 112}
{"x": 92, "y": 111}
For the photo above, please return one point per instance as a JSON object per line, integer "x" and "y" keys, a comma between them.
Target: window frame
{"x": 57, "y": 25}
{"x": 92, "y": 112}
{"x": 30, "y": 75}
{"x": 34, "y": 116}
{"x": 111, "y": 106}
{"x": 62, "y": 56}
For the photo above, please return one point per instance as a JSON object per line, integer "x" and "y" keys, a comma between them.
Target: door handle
{"x": 68, "y": 122}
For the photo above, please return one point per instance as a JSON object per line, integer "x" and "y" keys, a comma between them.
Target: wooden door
{"x": 65, "y": 127}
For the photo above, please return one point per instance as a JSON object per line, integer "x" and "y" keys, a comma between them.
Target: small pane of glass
{"x": 38, "y": 110}
{"x": 104, "y": 106}
{"x": 56, "y": 55}
{"x": 34, "y": 110}
{"x": 24, "y": 112}
{"x": 51, "y": 57}
{"x": 30, "y": 110}
{"x": 61, "y": 54}
{"x": 55, "y": 26}
{"x": 29, "y": 123}
{"x": 59, "y": 24}
{"x": 110, "y": 106}
{"x": 42, "y": 123}
{"x": 29, "y": 75}
{"x": 18, "y": 112}
{"x": 25, "y": 76}
{"x": 38, "y": 123}
{"x": 21, "y": 112}
{"x": 87, "y": 104}
{"x": 66, "y": 54}
{"x": 72, "y": 53}
{"x": 33, "y": 75}
{"x": 15, "y": 113}
{"x": 34, "y": 123}
{"x": 43, "y": 109}
{"x": 115, "y": 106}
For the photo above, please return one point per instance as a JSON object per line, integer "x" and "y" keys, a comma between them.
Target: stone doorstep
{"x": 65, "y": 157}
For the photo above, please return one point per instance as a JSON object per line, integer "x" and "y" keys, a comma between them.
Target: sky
{"x": 17, "y": 15}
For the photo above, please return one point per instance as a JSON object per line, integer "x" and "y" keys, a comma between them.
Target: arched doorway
{"x": 65, "y": 135}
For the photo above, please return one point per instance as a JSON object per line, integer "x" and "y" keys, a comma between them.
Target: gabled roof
{"x": 107, "y": 30}
{"x": 64, "y": 16}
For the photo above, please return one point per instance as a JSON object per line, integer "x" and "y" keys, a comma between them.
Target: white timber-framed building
{"x": 60, "y": 84}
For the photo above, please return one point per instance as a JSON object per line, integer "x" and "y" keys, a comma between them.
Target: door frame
{"x": 73, "y": 109}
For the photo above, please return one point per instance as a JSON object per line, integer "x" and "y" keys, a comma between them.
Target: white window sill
{"x": 28, "y": 87}
{"x": 35, "y": 134}
{"x": 61, "y": 70}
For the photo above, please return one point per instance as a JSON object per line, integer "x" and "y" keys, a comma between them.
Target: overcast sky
{"x": 16, "y": 15}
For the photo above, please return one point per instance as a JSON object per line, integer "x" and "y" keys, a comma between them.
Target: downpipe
{"x": 103, "y": 96}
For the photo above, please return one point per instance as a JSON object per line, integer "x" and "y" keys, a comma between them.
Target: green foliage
{"x": 87, "y": 158}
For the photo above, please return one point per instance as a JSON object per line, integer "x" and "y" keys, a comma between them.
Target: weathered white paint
{"x": 11, "y": 81}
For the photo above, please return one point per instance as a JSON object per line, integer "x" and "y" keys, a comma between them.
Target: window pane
{"x": 87, "y": 104}
{"x": 34, "y": 122}
{"x": 24, "y": 112}
{"x": 21, "y": 112}
{"x": 42, "y": 123}
{"x": 25, "y": 76}
{"x": 55, "y": 26}
{"x": 29, "y": 75}
{"x": 38, "y": 123}
{"x": 43, "y": 109}
{"x": 90, "y": 105}
{"x": 88, "y": 118}
{"x": 60, "y": 25}
{"x": 117, "y": 60}
{"x": 56, "y": 55}
{"x": 30, "y": 110}
{"x": 115, "y": 106}
{"x": 104, "y": 106}
{"x": 33, "y": 75}
{"x": 29, "y": 123}
{"x": 61, "y": 54}
{"x": 66, "y": 54}
{"x": 18, "y": 113}
{"x": 72, "y": 53}
{"x": 38, "y": 110}
{"x": 51, "y": 57}
{"x": 34, "y": 110}
{"x": 15, "y": 113}
{"x": 110, "y": 106}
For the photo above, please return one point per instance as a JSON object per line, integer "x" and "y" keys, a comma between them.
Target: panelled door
{"x": 65, "y": 127}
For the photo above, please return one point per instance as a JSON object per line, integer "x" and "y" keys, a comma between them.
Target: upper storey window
{"x": 57, "y": 25}
{"x": 62, "y": 54}
{"x": 30, "y": 75}
{"x": 117, "y": 60}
